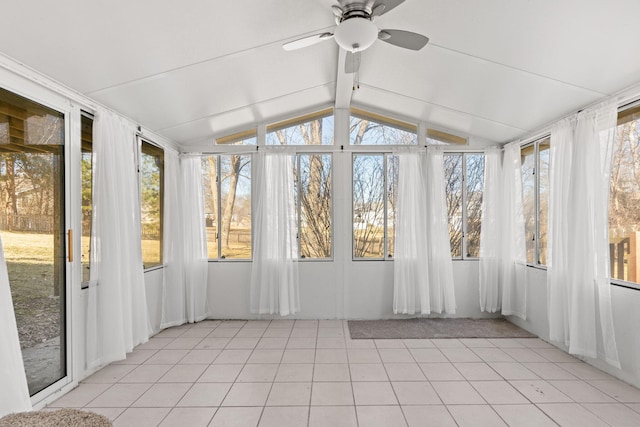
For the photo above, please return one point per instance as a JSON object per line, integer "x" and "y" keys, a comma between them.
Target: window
{"x": 624, "y": 202}
{"x": 372, "y": 129}
{"x": 151, "y": 191}
{"x": 535, "y": 198}
{"x": 86, "y": 124}
{"x": 227, "y": 201}
{"x": 312, "y": 129}
{"x": 247, "y": 137}
{"x": 375, "y": 179}
{"x": 464, "y": 180}
{"x": 312, "y": 180}
{"x": 438, "y": 137}
{"x": 314, "y": 205}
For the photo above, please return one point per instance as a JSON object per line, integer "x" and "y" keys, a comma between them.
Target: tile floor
{"x": 310, "y": 373}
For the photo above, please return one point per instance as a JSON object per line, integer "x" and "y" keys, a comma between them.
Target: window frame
{"x": 144, "y": 141}
{"x": 298, "y": 186}
{"x": 536, "y": 197}
{"x": 633, "y": 105}
{"x": 385, "y": 198}
{"x": 218, "y": 189}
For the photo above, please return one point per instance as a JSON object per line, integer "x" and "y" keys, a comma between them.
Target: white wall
{"x": 334, "y": 290}
{"x": 626, "y": 319}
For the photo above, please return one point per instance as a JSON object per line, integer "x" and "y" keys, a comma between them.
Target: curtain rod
{"x": 629, "y": 96}
{"x": 371, "y": 149}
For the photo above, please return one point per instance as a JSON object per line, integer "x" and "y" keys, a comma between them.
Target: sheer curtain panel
{"x": 117, "y": 318}
{"x": 513, "y": 250}
{"x": 14, "y": 393}
{"x": 274, "y": 272}
{"x": 490, "y": 289}
{"x": 196, "y": 258}
{"x": 173, "y": 289}
{"x": 410, "y": 269}
{"x": 578, "y": 278}
{"x": 441, "y": 290}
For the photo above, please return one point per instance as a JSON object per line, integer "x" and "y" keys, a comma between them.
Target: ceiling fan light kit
{"x": 356, "y": 34}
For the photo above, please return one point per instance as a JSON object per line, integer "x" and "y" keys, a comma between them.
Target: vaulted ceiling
{"x": 192, "y": 70}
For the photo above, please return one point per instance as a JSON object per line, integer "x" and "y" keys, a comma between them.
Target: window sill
{"x": 154, "y": 268}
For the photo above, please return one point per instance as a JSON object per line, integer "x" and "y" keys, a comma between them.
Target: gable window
{"x": 535, "y": 198}
{"x": 624, "y": 201}
{"x": 247, "y": 137}
{"x": 438, "y": 137}
{"x": 311, "y": 129}
{"x": 151, "y": 197}
{"x": 227, "y": 201}
{"x": 373, "y": 129}
{"x": 464, "y": 180}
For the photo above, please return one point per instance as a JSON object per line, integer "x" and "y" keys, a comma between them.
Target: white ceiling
{"x": 195, "y": 69}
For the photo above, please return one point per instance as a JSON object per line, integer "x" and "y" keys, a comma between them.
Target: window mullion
{"x": 536, "y": 203}
{"x": 219, "y": 203}
{"x": 298, "y": 205}
{"x": 463, "y": 251}
{"x": 385, "y": 167}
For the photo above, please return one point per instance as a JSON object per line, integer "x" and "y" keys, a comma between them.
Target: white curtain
{"x": 196, "y": 265}
{"x": 578, "y": 276}
{"x": 441, "y": 290}
{"x": 513, "y": 258}
{"x": 14, "y": 393}
{"x": 274, "y": 272}
{"x": 173, "y": 289}
{"x": 117, "y": 318}
{"x": 410, "y": 269}
{"x": 490, "y": 232}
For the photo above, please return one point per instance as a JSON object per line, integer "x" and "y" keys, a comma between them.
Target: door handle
{"x": 70, "y": 245}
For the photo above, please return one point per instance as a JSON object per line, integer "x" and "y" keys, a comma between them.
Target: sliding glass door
{"x": 32, "y": 226}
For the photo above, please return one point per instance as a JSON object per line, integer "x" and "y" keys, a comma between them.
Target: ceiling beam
{"x": 344, "y": 82}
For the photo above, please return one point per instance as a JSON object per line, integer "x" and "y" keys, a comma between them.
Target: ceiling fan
{"x": 355, "y": 30}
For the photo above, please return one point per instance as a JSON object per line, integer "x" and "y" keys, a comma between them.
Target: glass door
{"x": 32, "y": 226}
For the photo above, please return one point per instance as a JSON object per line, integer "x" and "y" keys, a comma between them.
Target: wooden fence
{"x": 27, "y": 223}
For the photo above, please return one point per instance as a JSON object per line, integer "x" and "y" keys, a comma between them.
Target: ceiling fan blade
{"x": 406, "y": 39}
{"x": 388, "y": 5}
{"x": 378, "y": 9}
{"x": 352, "y": 62}
{"x": 337, "y": 11}
{"x": 307, "y": 41}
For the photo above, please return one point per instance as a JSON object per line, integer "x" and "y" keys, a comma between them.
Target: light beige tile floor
{"x": 310, "y": 373}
